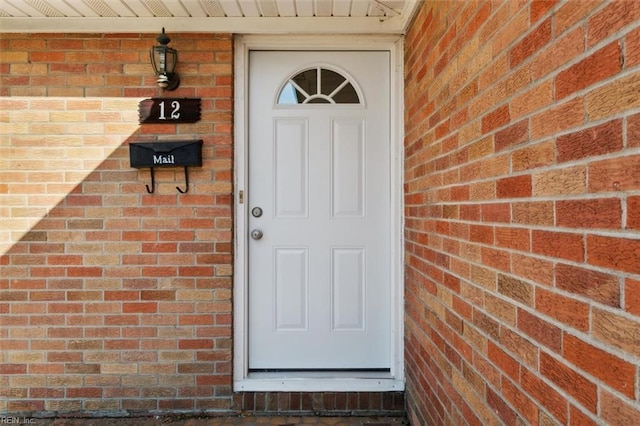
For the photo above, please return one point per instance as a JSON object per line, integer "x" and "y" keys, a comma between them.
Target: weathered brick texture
{"x": 522, "y": 179}
{"x": 112, "y": 298}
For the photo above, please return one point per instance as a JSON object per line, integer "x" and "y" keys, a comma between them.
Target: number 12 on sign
{"x": 169, "y": 110}
{"x": 175, "y": 114}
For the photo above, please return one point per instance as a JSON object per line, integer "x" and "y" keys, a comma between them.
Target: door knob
{"x": 256, "y": 234}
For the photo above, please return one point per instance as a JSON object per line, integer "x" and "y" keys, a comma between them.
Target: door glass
{"x": 318, "y": 86}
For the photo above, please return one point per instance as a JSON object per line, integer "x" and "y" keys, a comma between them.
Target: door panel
{"x": 347, "y": 164}
{"x": 348, "y": 289}
{"x": 292, "y": 289}
{"x": 319, "y": 278}
{"x": 291, "y": 159}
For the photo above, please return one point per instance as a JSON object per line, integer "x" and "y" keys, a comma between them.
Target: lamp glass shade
{"x": 163, "y": 59}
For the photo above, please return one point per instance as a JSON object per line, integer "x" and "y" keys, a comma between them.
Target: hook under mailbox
{"x": 180, "y": 190}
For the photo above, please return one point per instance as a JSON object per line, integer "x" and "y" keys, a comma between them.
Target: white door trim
{"x": 243, "y": 380}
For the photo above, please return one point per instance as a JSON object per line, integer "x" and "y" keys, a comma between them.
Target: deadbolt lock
{"x": 256, "y": 212}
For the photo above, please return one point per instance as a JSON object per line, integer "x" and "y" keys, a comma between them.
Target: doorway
{"x": 319, "y": 271}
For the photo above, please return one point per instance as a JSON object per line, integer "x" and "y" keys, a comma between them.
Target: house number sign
{"x": 169, "y": 110}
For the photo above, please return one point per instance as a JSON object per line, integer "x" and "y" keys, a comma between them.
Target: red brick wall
{"x": 112, "y": 298}
{"x": 522, "y": 210}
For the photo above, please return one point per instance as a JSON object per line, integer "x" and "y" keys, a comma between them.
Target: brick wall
{"x": 112, "y": 298}
{"x": 522, "y": 211}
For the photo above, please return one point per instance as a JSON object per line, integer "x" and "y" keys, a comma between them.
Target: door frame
{"x": 242, "y": 379}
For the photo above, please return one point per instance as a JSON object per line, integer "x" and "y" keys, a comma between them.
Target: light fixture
{"x": 164, "y": 60}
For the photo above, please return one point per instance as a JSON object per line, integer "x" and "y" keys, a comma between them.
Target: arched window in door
{"x": 318, "y": 85}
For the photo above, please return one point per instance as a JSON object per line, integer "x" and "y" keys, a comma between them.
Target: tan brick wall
{"x": 112, "y": 298}
{"x": 522, "y": 180}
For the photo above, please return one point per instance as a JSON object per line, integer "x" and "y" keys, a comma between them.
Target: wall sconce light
{"x": 164, "y": 60}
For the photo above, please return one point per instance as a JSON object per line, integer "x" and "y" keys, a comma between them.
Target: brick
{"x": 13, "y": 368}
{"x": 558, "y": 244}
{"x": 570, "y": 13}
{"x": 520, "y": 346}
{"x": 577, "y": 417}
{"x": 496, "y": 118}
{"x": 601, "y": 65}
{"x": 512, "y": 135}
{"x": 485, "y": 414}
{"x": 540, "y": 8}
{"x": 514, "y": 187}
{"x": 558, "y": 118}
{"x": 576, "y": 385}
{"x": 481, "y": 234}
{"x": 605, "y": 213}
{"x": 532, "y": 99}
{"x": 121, "y": 295}
{"x": 618, "y": 411}
{"x": 503, "y": 310}
{"x": 611, "y": 19}
{"x": 533, "y": 269}
{"x": 195, "y": 319}
{"x": 533, "y": 213}
{"x": 513, "y": 238}
{"x": 509, "y": 32}
{"x": 516, "y": 289}
{"x": 195, "y": 271}
{"x": 597, "y": 286}
{"x": 540, "y": 330}
{"x": 598, "y": 140}
{"x": 85, "y": 224}
{"x": 616, "y": 331}
{"x": 614, "y": 253}
{"x": 500, "y": 407}
{"x": 497, "y": 259}
{"x": 195, "y": 344}
{"x": 495, "y": 212}
{"x": 565, "y": 181}
{"x": 157, "y": 295}
{"x": 613, "y": 371}
{"x": 569, "y": 311}
{"x": 485, "y": 324}
{"x": 24, "y": 406}
{"x": 531, "y": 43}
{"x": 546, "y": 395}
{"x": 83, "y": 295}
{"x": 633, "y": 131}
{"x": 632, "y": 48}
{"x": 13, "y": 296}
{"x": 560, "y": 52}
{"x": 92, "y": 392}
{"x": 632, "y": 296}
{"x": 619, "y": 174}
{"x": 482, "y": 191}
{"x": 613, "y": 98}
{"x": 84, "y": 271}
{"x": 141, "y": 307}
{"x": 520, "y": 401}
{"x": 47, "y": 56}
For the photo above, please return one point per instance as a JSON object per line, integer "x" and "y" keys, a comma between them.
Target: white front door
{"x": 319, "y": 201}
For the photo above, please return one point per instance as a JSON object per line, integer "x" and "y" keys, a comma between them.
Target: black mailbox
{"x": 166, "y": 154}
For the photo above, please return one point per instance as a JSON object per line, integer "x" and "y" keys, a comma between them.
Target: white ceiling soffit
{"x": 225, "y": 16}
